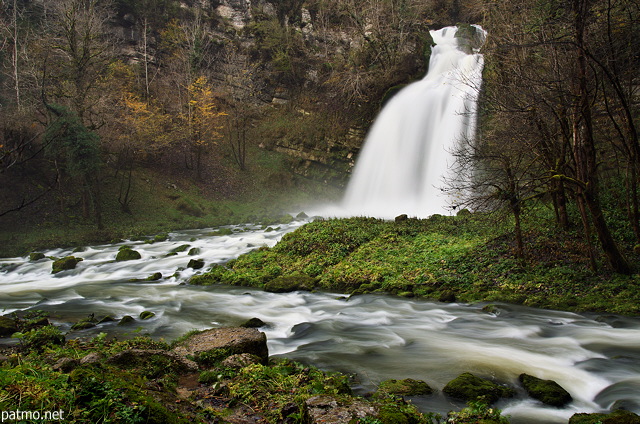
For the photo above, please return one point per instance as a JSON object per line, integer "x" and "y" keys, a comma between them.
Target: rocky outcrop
{"x": 546, "y": 391}
{"x": 616, "y": 417}
{"x": 210, "y": 346}
{"x": 170, "y": 361}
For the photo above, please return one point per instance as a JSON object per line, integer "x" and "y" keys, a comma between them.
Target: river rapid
{"x": 375, "y": 337}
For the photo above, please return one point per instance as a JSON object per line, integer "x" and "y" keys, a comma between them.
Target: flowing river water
{"x": 376, "y": 337}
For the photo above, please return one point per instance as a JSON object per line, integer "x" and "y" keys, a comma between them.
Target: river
{"x": 376, "y": 337}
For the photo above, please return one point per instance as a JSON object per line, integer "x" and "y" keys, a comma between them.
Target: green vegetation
{"x": 468, "y": 258}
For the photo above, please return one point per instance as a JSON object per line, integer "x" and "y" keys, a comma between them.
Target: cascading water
{"x": 409, "y": 148}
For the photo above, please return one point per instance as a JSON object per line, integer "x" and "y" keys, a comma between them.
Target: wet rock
{"x": 125, "y": 253}
{"x": 616, "y": 417}
{"x": 196, "y": 263}
{"x": 401, "y": 218}
{"x": 106, "y": 318}
{"x": 253, "y": 323}
{"x": 302, "y": 215}
{"x": 82, "y": 325}
{"x": 8, "y": 326}
{"x": 211, "y": 346}
{"x": 147, "y": 315}
{"x": 546, "y": 391}
{"x": 156, "y": 276}
{"x": 406, "y": 387}
{"x": 328, "y": 409}
{"x": 36, "y": 256}
{"x": 65, "y": 365}
{"x": 285, "y": 284}
{"x": 126, "y": 320}
{"x": 194, "y": 251}
{"x": 167, "y": 360}
{"x": 64, "y": 264}
{"x": 241, "y": 360}
{"x": 468, "y": 387}
{"x": 180, "y": 248}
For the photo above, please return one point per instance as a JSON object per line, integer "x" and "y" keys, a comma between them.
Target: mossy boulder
{"x": 180, "y": 248}
{"x": 406, "y": 387}
{"x": 289, "y": 283}
{"x": 469, "y": 387}
{"x": 126, "y": 320}
{"x": 8, "y": 326}
{"x": 196, "y": 263}
{"x": 147, "y": 315}
{"x": 546, "y": 391}
{"x": 125, "y": 253}
{"x": 616, "y": 417}
{"x": 64, "y": 264}
{"x": 209, "y": 347}
{"x": 36, "y": 256}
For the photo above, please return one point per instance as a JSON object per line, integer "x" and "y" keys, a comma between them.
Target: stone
{"x": 147, "y": 315}
{"x": 91, "y": 358}
{"x": 546, "y": 391}
{"x": 401, "y": 218}
{"x": 8, "y": 326}
{"x": 126, "y": 320}
{"x": 211, "y": 346}
{"x": 127, "y": 254}
{"x": 289, "y": 283}
{"x": 35, "y": 256}
{"x": 406, "y": 387}
{"x": 253, "y": 323}
{"x": 196, "y": 263}
{"x": 64, "y": 264}
{"x": 82, "y": 325}
{"x": 328, "y": 409}
{"x": 619, "y": 416}
{"x": 447, "y": 297}
{"x": 469, "y": 388}
{"x": 156, "y": 276}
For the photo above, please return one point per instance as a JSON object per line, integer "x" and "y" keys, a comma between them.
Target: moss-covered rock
{"x": 181, "y": 248}
{"x": 8, "y": 326}
{"x": 406, "y": 387}
{"x": 155, "y": 276}
{"x": 289, "y": 283}
{"x": 468, "y": 387}
{"x": 36, "y": 256}
{"x": 211, "y": 346}
{"x": 125, "y": 253}
{"x": 546, "y": 391}
{"x": 616, "y": 417}
{"x": 126, "y": 320}
{"x": 196, "y": 263}
{"x": 64, "y": 264}
{"x": 147, "y": 315}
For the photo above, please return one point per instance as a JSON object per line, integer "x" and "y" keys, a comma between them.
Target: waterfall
{"x": 409, "y": 149}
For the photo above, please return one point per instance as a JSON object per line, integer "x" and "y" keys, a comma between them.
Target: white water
{"x": 408, "y": 150}
{"x": 377, "y": 337}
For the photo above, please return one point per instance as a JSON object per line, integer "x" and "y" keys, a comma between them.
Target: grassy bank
{"x": 466, "y": 258}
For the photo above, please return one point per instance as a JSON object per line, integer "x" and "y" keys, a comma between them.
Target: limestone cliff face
{"x": 307, "y": 76}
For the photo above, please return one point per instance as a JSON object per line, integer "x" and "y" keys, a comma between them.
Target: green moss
{"x": 290, "y": 283}
{"x": 616, "y": 417}
{"x": 147, "y": 315}
{"x": 127, "y": 254}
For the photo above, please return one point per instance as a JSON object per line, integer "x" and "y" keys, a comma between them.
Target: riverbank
{"x": 464, "y": 258}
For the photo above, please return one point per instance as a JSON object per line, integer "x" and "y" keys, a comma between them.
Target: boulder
{"x": 146, "y": 315}
{"x": 125, "y": 253}
{"x": 155, "y": 276}
{"x": 126, "y": 320}
{"x": 196, "y": 263}
{"x": 64, "y": 264}
{"x": 289, "y": 283}
{"x": 328, "y": 409}
{"x": 546, "y": 391}
{"x": 468, "y": 387}
{"x": 241, "y": 360}
{"x": 616, "y": 417}
{"x": 35, "y": 256}
{"x": 211, "y": 346}
{"x": 253, "y": 323}
{"x": 8, "y": 326}
{"x": 406, "y": 387}
{"x": 65, "y": 365}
